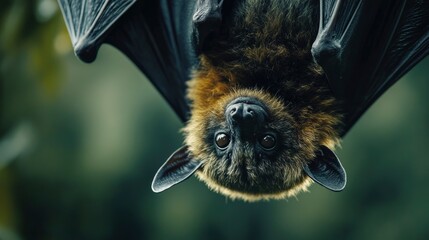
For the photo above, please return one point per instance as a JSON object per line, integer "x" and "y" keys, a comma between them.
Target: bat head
{"x": 249, "y": 146}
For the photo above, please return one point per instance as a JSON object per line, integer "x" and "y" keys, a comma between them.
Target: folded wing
{"x": 161, "y": 37}
{"x": 365, "y": 46}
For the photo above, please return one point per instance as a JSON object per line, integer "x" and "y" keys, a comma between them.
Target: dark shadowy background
{"x": 80, "y": 144}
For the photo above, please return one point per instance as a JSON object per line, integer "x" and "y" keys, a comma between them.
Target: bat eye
{"x": 268, "y": 142}
{"x": 222, "y": 140}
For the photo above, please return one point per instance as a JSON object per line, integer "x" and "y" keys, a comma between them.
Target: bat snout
{"x": 246, "y": 113}
{"x": 241, "y": 112}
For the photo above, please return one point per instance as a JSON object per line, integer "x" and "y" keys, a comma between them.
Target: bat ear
{"x": 326, "y": 170}
{"x": 178, "y": 167}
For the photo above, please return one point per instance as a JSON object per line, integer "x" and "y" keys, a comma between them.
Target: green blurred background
{"x": 81, "y": 142}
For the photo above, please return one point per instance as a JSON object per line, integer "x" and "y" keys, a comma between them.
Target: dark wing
{"x": 160, "y": 36}
{"x": 365, "y": 46}
{"x": 88, "y": 21}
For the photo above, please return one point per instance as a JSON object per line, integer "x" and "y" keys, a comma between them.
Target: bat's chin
{"x": 253, "y": 180}
{"x": 244, "y": 189}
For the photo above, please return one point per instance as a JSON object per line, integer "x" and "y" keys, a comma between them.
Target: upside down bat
{"x": 266, "y": 87}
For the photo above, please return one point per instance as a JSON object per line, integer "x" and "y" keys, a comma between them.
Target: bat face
{"x": 250, "y": 147}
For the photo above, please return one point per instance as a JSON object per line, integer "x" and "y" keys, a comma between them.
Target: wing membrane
{"x": 365, "y": 46}
{"x": 88, "y": 20}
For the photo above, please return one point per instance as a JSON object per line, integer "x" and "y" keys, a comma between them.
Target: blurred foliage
{"x": 92, "y": 136}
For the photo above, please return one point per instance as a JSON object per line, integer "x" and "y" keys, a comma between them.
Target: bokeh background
{"x": 80, "y": 144}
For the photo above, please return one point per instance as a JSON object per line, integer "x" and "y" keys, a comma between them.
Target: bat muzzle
{"x": 246, "y": 115}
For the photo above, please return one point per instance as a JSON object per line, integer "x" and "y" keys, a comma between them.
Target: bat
{"x": 266, "y": 88}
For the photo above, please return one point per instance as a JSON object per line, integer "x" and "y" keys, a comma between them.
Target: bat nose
{"x": 246, "y": 116}
{"x": 243, "y": 113}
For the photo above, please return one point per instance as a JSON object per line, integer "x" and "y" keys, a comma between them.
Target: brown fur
{"x": 263, "y": 52}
